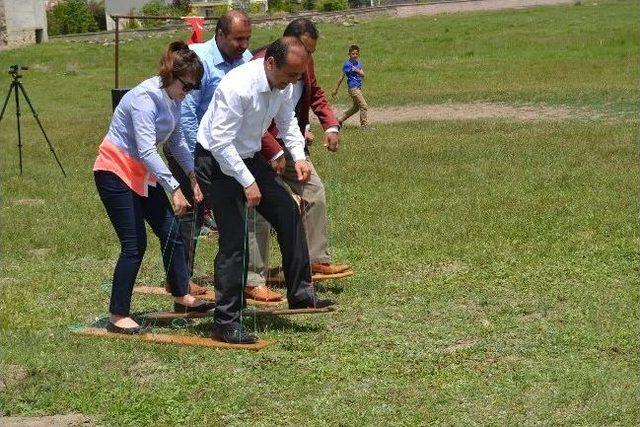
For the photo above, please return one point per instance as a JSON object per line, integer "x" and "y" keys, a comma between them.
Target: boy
{"x": 352, "y": 68}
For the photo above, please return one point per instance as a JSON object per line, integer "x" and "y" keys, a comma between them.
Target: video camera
{"x": 15, "y": 70}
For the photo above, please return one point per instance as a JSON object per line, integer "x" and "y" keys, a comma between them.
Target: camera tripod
{"x": 16, "y": 85}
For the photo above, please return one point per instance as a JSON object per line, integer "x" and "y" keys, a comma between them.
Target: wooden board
{"x": 171, "y": 339}
{"x": 171, "y": 315}
{"x": 276, "y": 276}
{"x": 279, "y": 279}
{"x": 209, "y": 296}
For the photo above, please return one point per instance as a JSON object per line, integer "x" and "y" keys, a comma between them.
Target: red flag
{"x": 197, "y": 25}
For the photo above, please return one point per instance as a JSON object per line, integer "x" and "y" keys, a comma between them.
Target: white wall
{"x": 22, "y": 19}
{"x": 122, "y": 7}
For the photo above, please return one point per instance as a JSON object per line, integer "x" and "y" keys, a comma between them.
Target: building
{"x": 22, "y": 22}
{"x": 122, "y": 7}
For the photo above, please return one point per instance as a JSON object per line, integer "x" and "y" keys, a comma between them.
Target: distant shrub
{"x": 331, "y": 5}
{"x": 96, "y": 7}
{"x": 255, "y": 8}
{"x": 131, "y": 24}
{"x": 363, "y": 3}
{"x": 160, "y": 8}
{"x": 70, "y": 17}
{"x": 308, "y": 4}
{"x": 220, "y": 9}
{"x": 290, "y": 6}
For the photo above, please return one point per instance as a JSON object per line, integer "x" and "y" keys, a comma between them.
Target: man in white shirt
{"x": 234, "y": 177}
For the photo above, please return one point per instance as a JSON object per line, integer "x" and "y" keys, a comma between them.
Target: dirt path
{"x": 477, "y": 110}
{"x": 473, "y": 5}
{"x": 72, "y": 420}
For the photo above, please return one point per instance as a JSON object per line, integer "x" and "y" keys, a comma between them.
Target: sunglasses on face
{"x": 188, "y": 87}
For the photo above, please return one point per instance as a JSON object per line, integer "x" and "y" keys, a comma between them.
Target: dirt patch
{"x": 12, "y": 375}
{"x": 28, "y": 202}
{"x": 148, "y": 371}
{"x": 70, "y": 420}
{"x": 461, "y": 344}
{"x": 41, "y": 252}
{"x": 475, "y": 111}
{"x": 473, "y": 6}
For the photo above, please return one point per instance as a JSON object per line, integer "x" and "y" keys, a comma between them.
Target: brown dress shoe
{"x": 328, "y": 268}
{"x": 193, "y": 288}
{"x": 262, "y": 293}
{"x": 196, "y": 289}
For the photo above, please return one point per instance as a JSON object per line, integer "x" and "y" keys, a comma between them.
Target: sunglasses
{"x": 188, "y": 87}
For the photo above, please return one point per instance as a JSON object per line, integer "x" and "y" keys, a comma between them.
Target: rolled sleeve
{"x": 287, "y": 125}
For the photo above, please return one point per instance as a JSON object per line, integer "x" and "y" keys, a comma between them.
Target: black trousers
{"x": 225, "y": 196}
{"x": 191, "y": 221}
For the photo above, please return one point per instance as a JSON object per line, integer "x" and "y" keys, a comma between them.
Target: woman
{"x": 127, "y": 171}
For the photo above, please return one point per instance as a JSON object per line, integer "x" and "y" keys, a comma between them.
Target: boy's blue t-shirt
{"x": 354, "y": 80}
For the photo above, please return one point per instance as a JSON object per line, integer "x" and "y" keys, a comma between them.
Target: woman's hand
{"x": 180, "y": 204}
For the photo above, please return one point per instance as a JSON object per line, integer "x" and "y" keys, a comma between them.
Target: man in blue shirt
{"x": 224, "y": 52}
{"x": 352, "y": 68}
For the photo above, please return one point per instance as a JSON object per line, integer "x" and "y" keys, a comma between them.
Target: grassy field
{"x": 496, "y": 261}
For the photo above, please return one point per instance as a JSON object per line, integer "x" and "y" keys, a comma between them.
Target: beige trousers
{"x": 314, "y": 218}
{"x": 359, "y": 104}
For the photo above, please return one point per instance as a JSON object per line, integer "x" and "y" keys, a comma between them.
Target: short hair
{"x": 354, "y": 47}
{"x": 279, "y": 49}
{"x": 301, "y": 26}
{"x": 225, "y": 21}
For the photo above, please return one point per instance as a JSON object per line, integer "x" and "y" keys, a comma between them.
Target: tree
{"x": 70, "y": 16}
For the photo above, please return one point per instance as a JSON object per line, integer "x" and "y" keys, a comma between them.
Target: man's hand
{"x": 309, "y": 137}
{"x": 279, "y": 164}
{"x": 180, "y": 204}
{"x": 252, "y": 193}
{"x": 197, "y": 194}
{"x": 303, "y": 170}
{"x": 332, "y": 140}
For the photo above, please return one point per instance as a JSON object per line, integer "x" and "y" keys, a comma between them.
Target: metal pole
{"x": 19, "y": 134}
{"x": 117, "y": 46}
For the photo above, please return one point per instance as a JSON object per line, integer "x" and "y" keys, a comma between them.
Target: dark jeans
{"x": 226, "y": 198}
{"x": 128, "y": 211}
{"x": 190, "y": 222}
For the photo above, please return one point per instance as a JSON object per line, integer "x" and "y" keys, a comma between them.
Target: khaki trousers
{"x": 359, "y": 104}
{"x": 314, "y": 219}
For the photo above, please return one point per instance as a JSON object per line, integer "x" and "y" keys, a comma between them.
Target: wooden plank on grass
{"x": 209, "y": 296}
{"x": 278, "y": 280}
{"x": 171, "y": 315}
{"x": 188, "y": 340}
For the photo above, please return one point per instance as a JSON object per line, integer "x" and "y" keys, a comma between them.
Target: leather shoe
{"x": 202, "y": 308}
{"x": 233, "y": 334}
{"x": 314, "y": 302}
{"x": 262, "y": 293}
{"x": 196, "y": 289}
{"x": 125, "y": 331}
{"x": 193, "y": 288}
{"x": 328, "y": 268}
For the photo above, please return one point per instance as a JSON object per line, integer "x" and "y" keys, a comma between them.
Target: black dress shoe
{"x": 233, "y": 334}
{"x": 126, "y": 331}
{"x": 202, "y": 308}
{"x": 311, "y": 303}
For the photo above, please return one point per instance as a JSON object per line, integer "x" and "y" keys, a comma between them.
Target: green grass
{"x": 496, "y": 261}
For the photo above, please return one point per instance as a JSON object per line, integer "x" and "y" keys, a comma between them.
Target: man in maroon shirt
{"x": 310, "y": 97}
